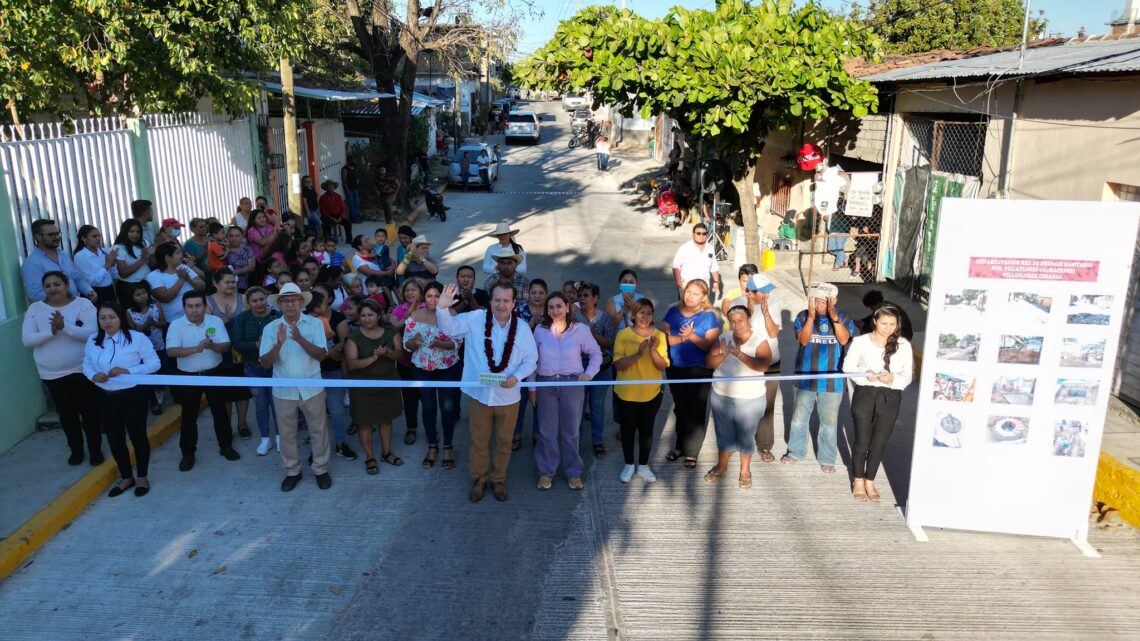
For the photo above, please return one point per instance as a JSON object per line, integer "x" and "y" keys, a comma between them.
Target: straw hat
{"x": 421, "y": 240}
{"x": 291, "y": 289}
{"x": 330, "y": 181}
{"x": 503, "y": 228}
{"x": 506, "y": 252}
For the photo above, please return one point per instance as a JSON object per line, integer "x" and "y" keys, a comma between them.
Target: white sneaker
{"x": 626, "y": 473}
{"x": 263, "y": 446}
{"x": 644, "y": 472}
{"x": 278, "y": 437}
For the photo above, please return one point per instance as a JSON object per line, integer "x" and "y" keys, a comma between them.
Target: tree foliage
{"x": 728, "y": 76}
{"x": 909, "y": 26}
{"x": 149, "y": 55}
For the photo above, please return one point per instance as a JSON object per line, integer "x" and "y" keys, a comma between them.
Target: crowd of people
{"x": 260, "y": 297}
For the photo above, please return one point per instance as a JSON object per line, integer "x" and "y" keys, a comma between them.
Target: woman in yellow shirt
{"x": 641, "y": 352}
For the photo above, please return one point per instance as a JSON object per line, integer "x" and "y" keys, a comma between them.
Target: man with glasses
{"x": 695, "y": 260}
{"x": 46, "y": 257}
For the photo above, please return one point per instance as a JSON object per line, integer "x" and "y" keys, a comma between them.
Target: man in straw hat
{"x": 294, "y": 346}
{"x": 822, "y": 331}
{"x": 333, "y": 210}
{"x": 417, "y": 263}
{"x": 506, "y": 237}
{"x": 508, "y": 263}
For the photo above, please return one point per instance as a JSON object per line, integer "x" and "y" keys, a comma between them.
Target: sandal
{"x": 873, "y": 495}
{"x": 371, "y": 467}
{"x": 391, "y": 459}
{"x": 674, "y": 455}
{"x": 827, "y": 469}
{"x": 516, "y": 443}
{"x": 745, "y": 482}
{"x": 600, "y": 451}
{"x": 712, "y": 476}
{"x": 767, "y": 456}
{"x": 432, "y": 454}
{"x": 448, "y": 458}
{"x": 860, "y": 494}
{"x": 690, "y": 463}
{"x": 410, "y": 437}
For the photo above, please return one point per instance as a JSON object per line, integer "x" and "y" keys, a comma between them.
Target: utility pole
{"x": 292, "y": 158}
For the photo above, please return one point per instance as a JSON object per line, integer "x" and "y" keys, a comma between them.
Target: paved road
{"x": 221, "y": 553}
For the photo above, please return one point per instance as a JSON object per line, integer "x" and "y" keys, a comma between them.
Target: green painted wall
{"x": 21, "y": 393}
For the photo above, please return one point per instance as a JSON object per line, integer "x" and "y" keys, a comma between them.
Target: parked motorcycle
{"x": 581, "y": 137}
{"x": 434, "y": 201}
{"x": 668, "y": 211}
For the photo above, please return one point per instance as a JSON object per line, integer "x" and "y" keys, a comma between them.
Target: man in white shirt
{"x": 695, "y": 260}
{"x": 494, "y": 400}
{"x": 294, "y": 346}
{"x": 198, "y": 340}
{"x": 484, "y": 161}
{"x": 766, "y": 319}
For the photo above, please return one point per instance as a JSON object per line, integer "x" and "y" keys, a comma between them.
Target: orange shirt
{"x": 215, "y": 256}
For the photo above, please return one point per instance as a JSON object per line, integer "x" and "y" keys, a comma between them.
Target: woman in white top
{"x": 132, "y": 261}
{"x": 737, "y": 406}
{"x": 57, "y": 329}
{"x": 244, "y": 214}
{"x": 618, "y": 307}
{"x": 506, "y": 238}
{"x": 173, "y": 278}
{"x": 94, "y": 264}
{"x": 889, "y": 360}
{"x": 113, "y": 351}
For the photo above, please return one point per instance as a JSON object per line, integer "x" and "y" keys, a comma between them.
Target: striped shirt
{"x": 823, "y": 354}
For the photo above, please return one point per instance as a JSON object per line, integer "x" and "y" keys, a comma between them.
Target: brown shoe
{"x": 499, "y": 488}
{"x": 478, "y": 489}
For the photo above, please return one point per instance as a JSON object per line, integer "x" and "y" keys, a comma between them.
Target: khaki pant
{"x": 487, "y": 420}
{"x": 766, "y": 432}
{"x": 315, "y": 417}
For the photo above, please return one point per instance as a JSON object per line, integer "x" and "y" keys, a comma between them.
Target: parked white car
{"x": 472, "y": 151}
{"x": 523, "y": 124}
{"x": 572, "y": 101}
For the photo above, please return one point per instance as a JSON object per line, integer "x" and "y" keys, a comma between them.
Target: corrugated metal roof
{"x": 1076, "y": 57}
{"x": 329, "y": 94}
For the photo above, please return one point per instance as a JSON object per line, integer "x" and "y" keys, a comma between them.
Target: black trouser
{"x": 346, "y": 223}
{"x": 411, "y": 397}
{"x": 874, "y": 410}
{"x": 690, "y": 407}
{"x": 637, "y": 420}
{"x": 766, "y": 433}
{"x": 74, "y": 398}
{"x": 190, "y": 400}
{"x": 123, "y": 414}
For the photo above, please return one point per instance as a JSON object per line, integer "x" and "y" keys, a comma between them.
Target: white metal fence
{"x": 328, "y": 137}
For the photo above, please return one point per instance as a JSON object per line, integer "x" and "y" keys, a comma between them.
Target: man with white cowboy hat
{"x": 508, "y": 262}
{"x": 293, "y": 346}
{"x": 416, "y": 262}
{"x": 822, "y": 331}
{"x": 766, "y": 319}
{"x": 506, "y": 238}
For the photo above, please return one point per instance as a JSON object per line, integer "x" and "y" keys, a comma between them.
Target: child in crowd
{"x": 375, "y": 287}
{"x": 216, "y": 247}
{"x": 147, "y": 318}
{"x": 320, "y": 251}
{"x": 336, "y": 259}
{"x": 570, "y": 291}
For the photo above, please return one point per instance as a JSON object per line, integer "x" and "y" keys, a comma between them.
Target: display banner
{"x": 1021, "y": 338}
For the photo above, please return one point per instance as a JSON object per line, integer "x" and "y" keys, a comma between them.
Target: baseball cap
{"x": 825, "y": 291}
{"x": 760, "y": 283}
{"x": 172, "y": 222}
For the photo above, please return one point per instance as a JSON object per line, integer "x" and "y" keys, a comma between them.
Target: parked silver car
{"x": 453, "y": 174}
{"x": 523, "y": 124}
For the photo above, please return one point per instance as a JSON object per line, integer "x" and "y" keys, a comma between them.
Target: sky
{"x": 1065, "y": 16}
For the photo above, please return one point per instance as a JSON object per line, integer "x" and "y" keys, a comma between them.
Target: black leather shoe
{"x": 141, "y": 490}
{"x": 187, "y": 463}
{"x": 230, "y": 454}
{"x": 76, "y": 458}
{"x": 324, "y": 481}
{"x": 117, "y": 489}
{"x": 97, "y": 459}
{"x": 290, "y": 482}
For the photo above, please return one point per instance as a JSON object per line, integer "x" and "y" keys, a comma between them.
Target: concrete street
{"x": 221, "y": 553}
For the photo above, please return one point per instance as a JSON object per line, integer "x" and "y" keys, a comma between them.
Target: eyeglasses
{"x": 51, "y": 234}
{"x": 700, "y": 233}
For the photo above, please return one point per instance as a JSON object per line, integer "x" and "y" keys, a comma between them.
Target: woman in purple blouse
{"x": 561, "y": 344}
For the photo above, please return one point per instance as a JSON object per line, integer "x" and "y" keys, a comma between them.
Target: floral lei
{"x": 489, "y": 350}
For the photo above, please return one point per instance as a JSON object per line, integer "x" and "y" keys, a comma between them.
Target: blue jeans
{"x": 315, "y": 221}
{"x": 352, "y": 199}
{"x": 262, "y": 400}
{"x": 735, "y": 422}
{"x": 596, "y": 397}
{"x": 603, "y": 162}
{"x": 334, "y": 404}
{"x": 524, "y": 401}
{"x": 826, "y": 405}
{"x": 446, "y": 400}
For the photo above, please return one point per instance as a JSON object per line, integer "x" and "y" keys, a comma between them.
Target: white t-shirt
{"x": 732, "y": 366}
{"x": 358, "y": 262}
{"x": 758, "y": 324}
{"x": 184, "y": 334}
{"x": 139, "y": 274}
{"x": 695, "y": 263}
{"x": 173, "y": 309}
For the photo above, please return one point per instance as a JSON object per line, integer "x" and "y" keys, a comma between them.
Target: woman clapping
{"x": 640, "y": 353}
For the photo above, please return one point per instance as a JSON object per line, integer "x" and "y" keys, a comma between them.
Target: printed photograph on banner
{"x": 1024, "y": 305}
{"x": 1069, "y": 438}
{"x": 964, "y": 304}
{"x": 1089, "y": 309}
{"x": 948, "y": 430}
{"x": 1013, "y": 390}
{"x": 1077, "y": 352}
{"x": 1007, "y": 429}
{"x": 1022, "y": 350}
{"x": 1075, "y": 391}
{"x": 953, "y": 387}
{"x": 954, "y": 347}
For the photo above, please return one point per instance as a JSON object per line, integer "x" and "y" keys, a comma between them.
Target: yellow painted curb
{"x": 55, "y": 516}
{"x": 1118, "y": 486}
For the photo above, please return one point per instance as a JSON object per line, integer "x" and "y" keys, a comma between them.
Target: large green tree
{"x": 113, "y": 57}
{"x": 909, "y": 26}
{"x": 729, "y": 76}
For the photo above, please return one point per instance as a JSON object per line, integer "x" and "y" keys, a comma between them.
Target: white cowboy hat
{"x": 503, "y": 228}
{"x": 506, "y": 252}
{"x": 291, "y": 289}
{"x": 421, "y": 240}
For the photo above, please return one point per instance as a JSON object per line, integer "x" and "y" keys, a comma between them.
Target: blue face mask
{"x": 175, "y": 233}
